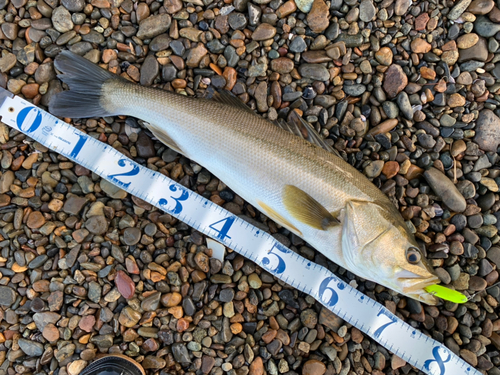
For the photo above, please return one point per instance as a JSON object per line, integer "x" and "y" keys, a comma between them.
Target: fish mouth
{"x": 413, "y": 285}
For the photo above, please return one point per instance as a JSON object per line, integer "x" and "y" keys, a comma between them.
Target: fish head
{"x": 377, "y": 245}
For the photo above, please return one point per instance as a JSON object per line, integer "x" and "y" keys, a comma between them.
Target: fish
{"x": 286, "y": 171}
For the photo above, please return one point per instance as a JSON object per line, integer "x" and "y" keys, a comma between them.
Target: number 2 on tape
{"x": 133, "y": 171}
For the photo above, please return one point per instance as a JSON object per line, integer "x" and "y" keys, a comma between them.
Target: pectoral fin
{"x": 306, "y": 209}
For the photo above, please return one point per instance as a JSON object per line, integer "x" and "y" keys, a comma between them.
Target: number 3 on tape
{"x": 178, "y": 205}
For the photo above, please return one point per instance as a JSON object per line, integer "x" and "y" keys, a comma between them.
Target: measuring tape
{"x": 340, "y": 298}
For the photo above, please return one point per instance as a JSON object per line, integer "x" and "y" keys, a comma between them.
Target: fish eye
{"x": 413, "y": 256}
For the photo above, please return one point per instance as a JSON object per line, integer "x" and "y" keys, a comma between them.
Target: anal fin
{"x": 273, "y": 215}
{"x": 164, "y": 138}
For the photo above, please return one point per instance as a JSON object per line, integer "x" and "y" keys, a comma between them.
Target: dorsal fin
{"x": 226, "y": 97}
{"x": 301, "y": 128}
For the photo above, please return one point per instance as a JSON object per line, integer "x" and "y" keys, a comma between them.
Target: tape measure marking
{"x": 153, "y": 187}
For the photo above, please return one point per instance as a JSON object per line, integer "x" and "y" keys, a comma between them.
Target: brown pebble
{"x": 383, "y": 127}
{"x": 263, "y": 32}
{"x": 182, "y": 325}
{"x": 313, "y": 367}
{"x": 397, "y": 362}
{"x": 419, "y": 45}
{"x": 256, "y": 367}
{"x": 30, "y": 90}
{"x": 456, "y": 100}
{"x": 395, "y": 80}
{"x": 50, "y": 332}
{"x": 35, "y": 220}
{"x": 124, "y": 284}
{"x": 286, "y": 9}
{"x": 87, "y": 323}
{"x": 390, "y": 169}
{"x": 427, "y": 73}
{"x": 317, "y": 18}
{"x": 421, "y": 21}
{"x": 481, "y": 7}
{"x": 230, "y": 75}
{"x": 282, "y": 65}
{"x": 171, "y": 299}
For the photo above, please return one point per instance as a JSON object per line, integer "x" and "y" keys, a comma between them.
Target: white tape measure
{"x": 351, "y": 305}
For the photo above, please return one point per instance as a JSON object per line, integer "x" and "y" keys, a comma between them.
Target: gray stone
{"x": 27, "y": 54}
{"x": 487, "y": 131}
{"x": 149, "y": 70}
{"x": 314, "y": 71}
{"x": 354, "y": 90}
{"x": 7, "y": 296}
{"x": 401, "y": 7}
{"x": 304, "y": 5}
{"x": 180, "y": 353}
{"x": 458, "y": 9}
{"x": 445, "y": 189}
{"x": 111, "y": 190}
{"x": 153, "y": 26}
{"x": 298, "y": 45}
{"x": 43, "y": 318}
{"x": 97, "y": 225}
{"x": 350, "y": 40}
{"x": 237, "y": 21}
{"x": 254, "y": 13}
{"x": 484, "y": 27}
{"x": 405, "y": 105}
{"x": 390, "y": 109}
{"x": 367, "y": 10}
{"x": 73, "y": 5}
{"x": 30, "y": 347}
{"x": 61, "y": 19}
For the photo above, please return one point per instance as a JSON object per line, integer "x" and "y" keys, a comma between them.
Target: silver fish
{"x": 301, "y": 186}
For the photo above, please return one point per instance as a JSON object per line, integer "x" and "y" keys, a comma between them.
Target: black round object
{"x": 114, "y": 364}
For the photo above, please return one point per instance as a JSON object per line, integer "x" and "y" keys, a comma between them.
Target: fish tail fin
{"x": 86, "y": 97}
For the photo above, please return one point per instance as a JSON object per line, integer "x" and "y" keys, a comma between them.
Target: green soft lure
{"x": 446, "y": 294}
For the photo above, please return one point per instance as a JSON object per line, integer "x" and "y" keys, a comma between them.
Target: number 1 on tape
{"x": 351, "y": 305}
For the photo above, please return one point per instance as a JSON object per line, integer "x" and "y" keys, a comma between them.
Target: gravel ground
{"x": 408, "y": 92}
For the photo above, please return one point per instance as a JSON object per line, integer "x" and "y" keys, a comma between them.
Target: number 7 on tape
{"x": 384, "y": 323}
